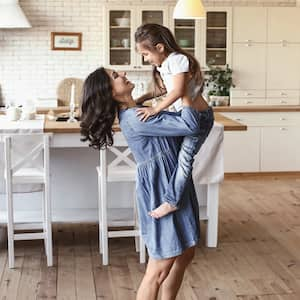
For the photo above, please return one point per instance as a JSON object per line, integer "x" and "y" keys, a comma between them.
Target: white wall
{"x": 29, "y": 68}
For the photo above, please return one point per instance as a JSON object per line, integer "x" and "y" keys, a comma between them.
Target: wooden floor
{"x": 258, "y": 257}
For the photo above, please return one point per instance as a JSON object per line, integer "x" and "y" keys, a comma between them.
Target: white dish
{"x": 122, "y": 21}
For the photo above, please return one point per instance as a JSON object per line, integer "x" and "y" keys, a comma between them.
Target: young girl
{"x": 177, "y": 74}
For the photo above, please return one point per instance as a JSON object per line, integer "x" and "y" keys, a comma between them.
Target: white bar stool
{"x": 25, "y": 171}
{"x": 120, "y": 169}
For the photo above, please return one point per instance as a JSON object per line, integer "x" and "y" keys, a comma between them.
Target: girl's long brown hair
{"x": 152, "y": 34}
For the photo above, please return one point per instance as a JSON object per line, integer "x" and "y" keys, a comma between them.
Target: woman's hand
{"x": 145, "y": 112}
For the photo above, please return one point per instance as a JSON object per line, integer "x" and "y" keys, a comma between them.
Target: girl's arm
{"x": 185, "y": 123}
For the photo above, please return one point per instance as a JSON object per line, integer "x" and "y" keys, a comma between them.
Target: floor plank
{"x": 257, "y": 258}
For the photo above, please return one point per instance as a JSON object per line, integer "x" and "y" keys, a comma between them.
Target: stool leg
{"x": 44, "y": 221}
{"x": 104, "y": 233}
{"x": 48, "y": 222}
{"x": 10, "y": 229}
{"x": 135, "y": 214}
{"x": 100, "y": 214}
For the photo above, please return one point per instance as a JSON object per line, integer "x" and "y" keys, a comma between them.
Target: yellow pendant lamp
{"x": 189, "y": 9}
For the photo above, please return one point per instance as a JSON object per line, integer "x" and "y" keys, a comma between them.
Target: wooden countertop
{"x": 64, "y": 127}
{"x": 260, "y": 108}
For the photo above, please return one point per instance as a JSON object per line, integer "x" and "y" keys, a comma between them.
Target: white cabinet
{"x": 280, "y": 149}
{"x": 283, "y": 24}
{"x": 283, "y": 66}
{"x": 249, "y": 65}
{"x": 242, "y": 150}
{"x": 270, "y": 144}
{"x": 121, "y": 23}
{"x": 249, "y": 25}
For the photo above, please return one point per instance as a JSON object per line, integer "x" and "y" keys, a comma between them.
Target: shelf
{"x": 216, "y": 49}
{"x": 119, "y": 48}
{"x": 119, "y": 27}
{"x": 185, "y": 27}
{"x": 219, "y": 28}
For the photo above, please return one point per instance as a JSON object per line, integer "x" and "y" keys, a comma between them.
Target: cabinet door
{"x": 283, "y": 66}
{"x": 187, "y": 34}
{"x": 283, "y": 24}
{"x": 149, "y": 14}
{"x": 242, "y": 150}
{"x": 118, "y": 37}
{"x": 249, "y": 24}
{"x": 280, "y": 149}
{"x": 249, "y": 65}
{"x": 217, "y": 36}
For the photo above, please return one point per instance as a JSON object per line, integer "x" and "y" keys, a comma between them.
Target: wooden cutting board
{"x": 64, "y": 91}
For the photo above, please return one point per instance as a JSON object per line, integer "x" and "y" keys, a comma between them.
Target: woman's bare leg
{"x": 172, "y": 283}
{"x": 156, "y": 272}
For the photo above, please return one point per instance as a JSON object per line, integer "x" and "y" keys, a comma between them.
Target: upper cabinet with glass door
{"x": 217, "y": 34}
{"x": 187, "y": 34}
{"x": 119, "y": 36}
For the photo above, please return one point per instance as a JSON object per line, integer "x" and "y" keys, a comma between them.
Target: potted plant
{"x": 218, "y": 82}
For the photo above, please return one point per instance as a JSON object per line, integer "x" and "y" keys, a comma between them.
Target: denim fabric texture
{"x": 189, "y": 148}
{"x": 156, "y": 145}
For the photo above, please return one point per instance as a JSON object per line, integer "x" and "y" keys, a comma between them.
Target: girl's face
{"x": 154, "y": 56}
{"x": 121, "y": 86}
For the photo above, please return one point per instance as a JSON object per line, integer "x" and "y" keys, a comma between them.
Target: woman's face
{"x": 121, "y": 86}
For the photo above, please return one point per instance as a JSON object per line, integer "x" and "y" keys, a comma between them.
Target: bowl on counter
{"x": 122, "y": 21}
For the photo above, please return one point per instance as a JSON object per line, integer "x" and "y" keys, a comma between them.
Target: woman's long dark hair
{"x": 152, "y": 34}
{"x": 98, "y": 110}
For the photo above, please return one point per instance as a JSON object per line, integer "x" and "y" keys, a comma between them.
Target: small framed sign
{"x": 66, "y": 41}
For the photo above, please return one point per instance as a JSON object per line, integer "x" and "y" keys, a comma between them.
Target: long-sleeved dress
{"x": 155, "y": 145}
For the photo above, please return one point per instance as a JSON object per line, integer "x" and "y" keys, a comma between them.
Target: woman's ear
{"x": 160, "y": 47}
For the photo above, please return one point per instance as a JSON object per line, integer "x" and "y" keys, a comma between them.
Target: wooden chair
{"x": 23, "y": 170}
{"x": 64, "y": 91}
{"x": 120, "y": 169}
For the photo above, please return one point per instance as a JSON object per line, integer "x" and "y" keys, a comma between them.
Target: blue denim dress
{"x": 155, "y": 145}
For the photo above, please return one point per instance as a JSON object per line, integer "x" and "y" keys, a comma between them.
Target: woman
{"x": 155, "y": 145}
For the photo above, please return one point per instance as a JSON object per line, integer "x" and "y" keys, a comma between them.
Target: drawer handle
{"x": 249, "y": 102}
{"x": 238, "y": 119}
{"x": 283, "y": 101}
{"x": 283, "y": 128}
{"x": 248, "y": 94}
{"x": 282, "y": 119}
{"x": 283, "y": 94}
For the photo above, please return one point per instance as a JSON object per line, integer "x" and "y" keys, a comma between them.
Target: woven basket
{"x": 64, "y": 91}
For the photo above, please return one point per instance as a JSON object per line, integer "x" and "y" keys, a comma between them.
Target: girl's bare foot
{"x": 163, "y": 210}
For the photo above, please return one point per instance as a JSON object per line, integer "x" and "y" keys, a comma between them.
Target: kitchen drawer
{"x": 248, "y": 93}
{"x": 249, "y": 119}
{"x": 247, "y": 102}
{"x": 282, "y": 101}
{"x": 265, "y": 119}
{"x": 282, "y": 94}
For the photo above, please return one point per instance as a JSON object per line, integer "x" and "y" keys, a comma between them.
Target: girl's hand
{"x": 145, "y": 112}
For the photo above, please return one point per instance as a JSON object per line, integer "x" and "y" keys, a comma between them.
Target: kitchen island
{"x": 74, "y": 179}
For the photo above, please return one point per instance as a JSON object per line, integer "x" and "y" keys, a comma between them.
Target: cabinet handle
{"x": 283, "y": 101}
{"x": 283, "y": 128}
{"x": 248, "y": 43}
{"x": 282, "y": 119}
{"x": 248, "y": 94}
{"x": 238, "y": 119}
{"x": 283, "y": 43}
{"x": 283, "y": 94}
{"x": 249, "y": 102}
